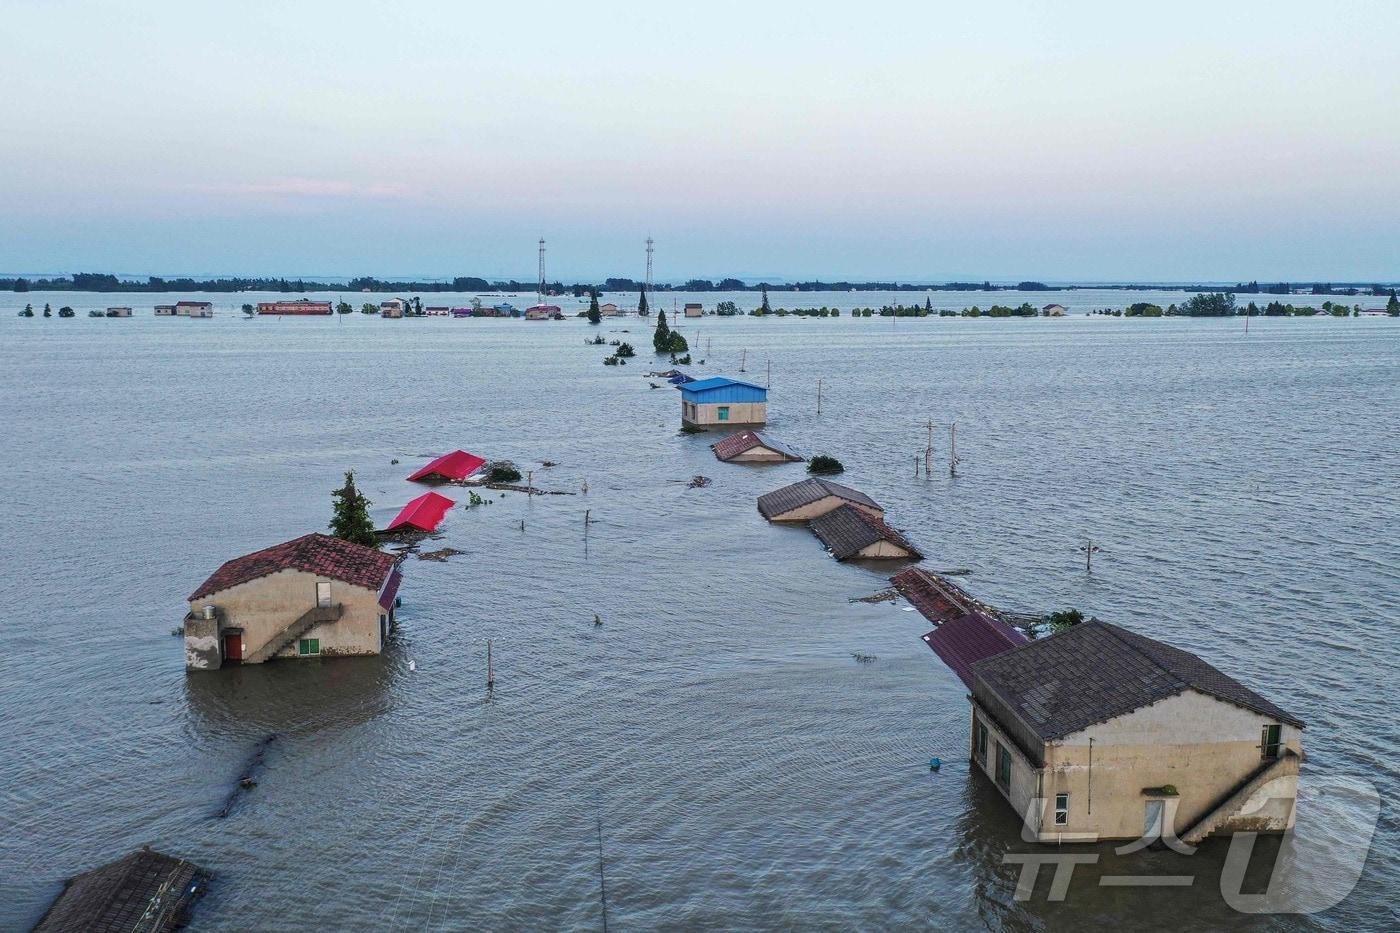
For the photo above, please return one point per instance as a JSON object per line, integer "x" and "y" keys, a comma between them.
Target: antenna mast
{"x": 541, "y": 289}
{"x": 647, "y": 287}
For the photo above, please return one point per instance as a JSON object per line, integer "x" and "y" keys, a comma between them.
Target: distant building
{"x": 723, "y": 401}
{"x": 694, "y": 309}
{"x": 118, "y": 312}
{"x": 200, "y": 312}
{"x": 146, "y": 890}
{"x": 608, "y": 310}
{"x": 1374, "y": 312}
{"x": 813, "y": 498}
{"x": 303, "y": 306}
{"x": 452, "y": 467}
{"x": 1053, "y": 310}
{"x": 543, "y": 312}
{"x": 184, "y": 308}
{"x": 437, "y": 311}
{"x": 313, "y": 596}
{"x": 752, "y": 447}
{"x": 393, "y": 307}
{"x": 165, "y": 310}
{"x": 1098, "y": 732}
{"x": 461, "y": 312}
{"x": 853, "y": 533}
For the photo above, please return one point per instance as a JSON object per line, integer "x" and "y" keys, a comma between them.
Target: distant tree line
{"x": 106, "y": 282}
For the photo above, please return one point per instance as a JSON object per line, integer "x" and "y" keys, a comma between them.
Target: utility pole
{"x": 649, "y": 252}
{"x": 769, "y": 384}
{"x": 953, "y": 449}
{"x": 743, "y": 358}
{"x": 928, "y": 452}
{"x": 490, "y": 669}
{"x": 1089, "y": 550}
{"x": 819, "y": 396}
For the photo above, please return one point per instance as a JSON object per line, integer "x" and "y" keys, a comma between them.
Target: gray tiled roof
{"x": 847, "y": 530}
{"x": 1095, "y": 672}
{"x": 806, "y": 492}
{"x": 145, "y": 890}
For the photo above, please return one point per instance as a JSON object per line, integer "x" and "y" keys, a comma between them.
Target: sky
{"x": 1073, "y": 140}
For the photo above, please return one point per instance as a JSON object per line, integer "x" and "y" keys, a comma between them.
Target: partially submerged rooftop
{"x": 744, "y": 441}
{"x": 849, "y": 532}
{"x": 808, "y": 491}
{"x": 964, "y": 640}
{"x": 457, "y": 465}
{"x": 1093, "y": 672}
{"x": 317, "y": 554}
{"x": 424, "y": 513}
{"x": 146, "y": 891}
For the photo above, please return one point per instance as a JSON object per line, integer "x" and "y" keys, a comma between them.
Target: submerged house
{"x": 1054, "y": 310}
{"x": 720, "y": 400}
{"x": 146, "y": 890}
{"x": 165, "y": 310}
{"x": 392, "y": 307}
{"x": 188, "y": 308}
{"x": 543, "y": 312}
{"x": 309, "y": 597}
{"x": 752, "y": 447}
{"x": 853, "y": 533}
{"x": 694, "y": 309}
{"x": 1097, "y": 732}
{"x": 607, "y": 309}
{"x": 118, "y": 312}
{"x": 813, "y": 498}
{"x": 301, "y": 306}
{"x": 422, "y": 514}
{"x": 449, "y": 468}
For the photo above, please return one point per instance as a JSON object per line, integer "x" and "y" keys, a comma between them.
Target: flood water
{"x": 745, "y": 770}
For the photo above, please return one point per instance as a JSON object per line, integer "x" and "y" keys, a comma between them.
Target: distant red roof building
{"x": 422, "y": 514}
{"x": 457, "y": 465}
{"x": 301, "y": 306}
{"x": 314, "y": 553}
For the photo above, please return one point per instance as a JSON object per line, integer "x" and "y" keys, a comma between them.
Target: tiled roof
{"x": 966, "y": 639}
{"x": 744, "y": 441}
{"x": 848, "y": 530}
{"x": 938, "y": 598}
{"x": 806, "y": 492}
{"x": 314, "y": 553}
{"x": 1095, "y": 672}
{"x": 142, "y": 891}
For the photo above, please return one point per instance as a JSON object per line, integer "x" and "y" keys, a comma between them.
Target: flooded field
{"x": 745, "y": 769}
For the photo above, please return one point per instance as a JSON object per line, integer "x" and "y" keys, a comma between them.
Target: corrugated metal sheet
{"x": 967, "y": 639}
{"x": 454, "y": 466}
{"x": 424, "y": 513}
{"x": 391, "y": 590}
{"x": 721, "y": 389}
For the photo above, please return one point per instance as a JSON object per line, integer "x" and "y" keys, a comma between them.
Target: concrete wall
{"x": 203, "y": 650}
{"x": 740, "y": 413}
{"x": 266, "y": 606}
{"x": 1202, "y": 746}
{"x": 758, "y": 455}
{"x": 819, "y": 508}
{"x": 883, "y": 549}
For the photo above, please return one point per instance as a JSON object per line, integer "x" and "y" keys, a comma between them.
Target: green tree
{"x": 22, "y": 285}
{"x": 28, "y": 311}
{"x": 248, "y": 309}
{"x": 66, "y": 311}
{"x": 1066, "y": 618}
{"x": 595, "y": 316}
{"x": 48, "y": 310}
{"x": 350, "y": 519}
{"x": 765, "y": 308}
{"x": 369, "y": 307}
{"x": 642, "y": 304}
{"x": 661, "y": 339}
{"x": 1392, "y": 306}
{"x": 344, "y": 308}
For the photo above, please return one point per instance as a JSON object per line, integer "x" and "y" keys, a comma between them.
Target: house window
{"x": 1003, "y": 766}
{"x": 323, "y": 593}
{"x": 979, "y": 742}
{"x": 724, "y": 413}
{"x": 1061, "y": 809}
{"x": 1270, "y": 741}
{"x": 308, "y": 647}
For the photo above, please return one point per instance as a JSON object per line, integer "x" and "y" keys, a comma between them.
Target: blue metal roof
{"x": 723, "y": 389}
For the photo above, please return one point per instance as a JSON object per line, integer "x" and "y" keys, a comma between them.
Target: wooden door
{"x": 233, "y": 646}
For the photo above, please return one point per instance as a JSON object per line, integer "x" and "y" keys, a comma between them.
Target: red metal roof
{"x": 314, "y": 553}
{"x": 424, "y": 513}
{"x": 391, "y": 589}
{"x": 457, "y": 465}
{"x": 969, "y": 638}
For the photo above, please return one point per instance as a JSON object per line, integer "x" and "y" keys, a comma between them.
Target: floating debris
{"x": 548, "y": 463}
{"x": 441, "y": 555}
{"x": 531, "y": 490}
{"x": 597, "y": 620}
{"x": 864, "y": 658}
{"x": 884, "y": 596}
{"x": 698, "y": 482}
{"x": 246, "y": 781}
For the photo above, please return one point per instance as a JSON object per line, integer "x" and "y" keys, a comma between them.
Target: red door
{"x": 233, "y": 646}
